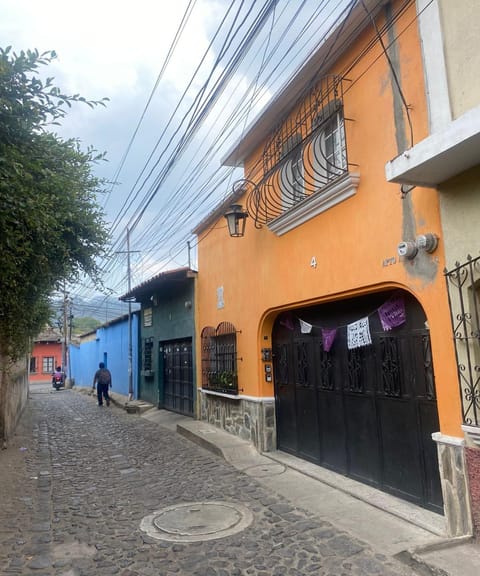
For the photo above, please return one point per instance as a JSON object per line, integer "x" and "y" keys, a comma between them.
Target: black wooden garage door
{"x": 367, "y": 413}
{"x": 177, "y": 376}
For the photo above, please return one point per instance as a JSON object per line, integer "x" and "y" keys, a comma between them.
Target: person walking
{"x": 103, "y": 380}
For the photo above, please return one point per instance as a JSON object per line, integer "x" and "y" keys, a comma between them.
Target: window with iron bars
{"x": 328, "y": 149}
{"x": 463, "y": 282}
{"x": 219, "y": 358}
{"x": 305, "y": 157}
{"x": 147, "y": 356}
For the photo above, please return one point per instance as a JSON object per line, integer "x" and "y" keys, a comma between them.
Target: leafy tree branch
{"x": 52, "y": 226}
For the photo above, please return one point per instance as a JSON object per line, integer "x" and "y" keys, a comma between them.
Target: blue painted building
{"x": 108, "y": 344}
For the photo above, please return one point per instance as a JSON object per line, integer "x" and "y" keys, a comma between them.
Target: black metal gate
{"x": 368, "y": 412}
{"x": 176, "y": 358}
{"x": 463, "y": 284}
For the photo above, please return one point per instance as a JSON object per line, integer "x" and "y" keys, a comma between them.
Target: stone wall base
{"x": 250, "y": 419}
{"x": 453, "y": 475}
{"x": 473, "y": 465}
{"x": 472, "y": 457}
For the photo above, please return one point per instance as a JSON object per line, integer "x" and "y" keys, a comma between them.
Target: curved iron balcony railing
{"x": 305, "y": 154}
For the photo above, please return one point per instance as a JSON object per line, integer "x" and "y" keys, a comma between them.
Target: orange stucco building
{"x": 331, "y": 250}
{"x": 46, "y": 355}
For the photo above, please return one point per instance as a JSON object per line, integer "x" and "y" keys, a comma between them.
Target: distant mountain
{"x": 102, "y": 308}
{"x": 95, "y": 310}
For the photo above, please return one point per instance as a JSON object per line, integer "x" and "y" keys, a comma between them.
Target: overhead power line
{"x": 187, "y": 171}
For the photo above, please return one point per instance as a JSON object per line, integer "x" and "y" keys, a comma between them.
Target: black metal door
{"x": 285, "y": 393}
{"x": 368, "y": 412}
{"x": 305, "y": 399}
{"x": 177, "y": 376}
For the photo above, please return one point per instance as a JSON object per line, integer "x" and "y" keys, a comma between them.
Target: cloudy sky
{"x": 183, "y": 80}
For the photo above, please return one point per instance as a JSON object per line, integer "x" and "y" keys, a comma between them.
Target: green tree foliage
{"x": 52, "y": 227}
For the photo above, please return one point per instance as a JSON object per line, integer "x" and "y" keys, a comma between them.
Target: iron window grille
{"x": 219, "y": 358}
{"x": 305, "y": 153}
{"x": 147, "y": 357}
{"x": 291, "y": 172}
{"x": 463, "y": 283}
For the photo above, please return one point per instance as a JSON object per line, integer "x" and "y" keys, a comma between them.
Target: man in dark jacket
{"x": 103, "y": 380}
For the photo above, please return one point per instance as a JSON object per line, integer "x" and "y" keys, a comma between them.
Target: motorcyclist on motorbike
{"x": 58, "y": 378}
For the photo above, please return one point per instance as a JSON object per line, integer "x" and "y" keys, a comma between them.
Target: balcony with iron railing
{"x": 305, "y": 168}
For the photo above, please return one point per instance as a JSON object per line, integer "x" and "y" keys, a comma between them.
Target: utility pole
{"x": 70, "y": 322}
{"x": 130, "y": 345}
{"x": 64, "y": 330}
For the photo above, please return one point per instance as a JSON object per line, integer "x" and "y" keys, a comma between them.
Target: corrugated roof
{"x": 48, "y": 335}
{"x": 161, "y": 280}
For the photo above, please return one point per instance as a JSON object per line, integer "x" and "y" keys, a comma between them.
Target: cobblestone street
{"x": 77, "y": 480}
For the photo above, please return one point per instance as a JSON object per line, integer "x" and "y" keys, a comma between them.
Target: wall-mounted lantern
{"x": 236, "y": 218}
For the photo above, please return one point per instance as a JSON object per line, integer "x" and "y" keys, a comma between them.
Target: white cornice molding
{"x": 316, "y": 203}
{"x": 473, "y": 432}
{"x": 440, "y": 156}
{"x": 440, "y": 438}
{"x": 257, "y": 399}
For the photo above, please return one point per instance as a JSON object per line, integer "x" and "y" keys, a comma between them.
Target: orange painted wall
{"x": 262, "y": 274}
{"x": 42, "y": 350}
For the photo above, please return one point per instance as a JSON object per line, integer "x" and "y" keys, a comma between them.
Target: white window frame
{"x": 329, "y": 146}
{"x": 48, "y": 364}
{"x": 292, "y": 173}
{"x": 147, "y": 317}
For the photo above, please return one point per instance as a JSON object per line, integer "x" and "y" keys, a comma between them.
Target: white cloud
{"x": 107, "y": 46}
{"x": 116, "y": 49}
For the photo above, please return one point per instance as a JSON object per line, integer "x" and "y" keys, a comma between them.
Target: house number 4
{"x": 313, "y": 262}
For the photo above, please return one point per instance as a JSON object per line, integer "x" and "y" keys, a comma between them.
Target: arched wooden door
{"x": 367, "y": 412}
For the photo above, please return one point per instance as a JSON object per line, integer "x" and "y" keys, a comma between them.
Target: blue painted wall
{"x": 109, "y": 346}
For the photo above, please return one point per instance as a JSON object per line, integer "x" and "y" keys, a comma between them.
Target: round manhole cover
{"x": 197, "y": 521}
{"x": 265, "y": 470}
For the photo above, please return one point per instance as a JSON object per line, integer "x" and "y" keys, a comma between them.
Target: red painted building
{"x": 46, "y": 355}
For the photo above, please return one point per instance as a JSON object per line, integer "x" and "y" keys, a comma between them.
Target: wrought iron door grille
{"x": 281, "y": 372}
{"x": 390, "y": 362}
{"x": 326, "y": 379}
{"x": 428, "y": 368}
{"x": 304, "y": 154}
{"x": 356, "y": 371}
{"x": 219, "y": 358}
{"x": 303, "y": 364}
{"x": 463, "y": 284}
